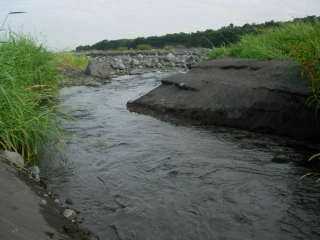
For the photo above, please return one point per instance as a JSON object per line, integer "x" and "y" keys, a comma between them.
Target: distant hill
{"x": 207, "y": 39}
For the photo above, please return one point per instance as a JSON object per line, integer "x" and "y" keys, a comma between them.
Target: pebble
{"x": 43, "y": 202}
{"x": 69, "y": 213}
{"x": 69, "y": 201}
{"x": 35, "y": 172}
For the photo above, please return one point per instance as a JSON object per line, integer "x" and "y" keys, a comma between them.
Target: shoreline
{"x": 26, "y": 206}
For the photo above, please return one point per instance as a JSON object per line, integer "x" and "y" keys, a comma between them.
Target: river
{"x": 136, "y": 177}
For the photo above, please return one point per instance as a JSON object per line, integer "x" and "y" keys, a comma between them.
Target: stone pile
{"x": 106, "y": 64}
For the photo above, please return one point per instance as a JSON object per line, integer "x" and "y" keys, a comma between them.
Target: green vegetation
{"x": 144, "y": 47}
{"x": 69, "y": 60}
{"x": 28, "y": 85}
{"x": 297, "y": 41}
{"x": 207, "y": 39}
{"x": 122, "y": 49}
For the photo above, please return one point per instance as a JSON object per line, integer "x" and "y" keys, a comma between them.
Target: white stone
{"x": 118, "y": 64}
{"x": 135, "y": 62}
{"x": 35, "y": 172}
{"x": 43, "y": 202}
{"x": 171, "y": 58}
{"x": 69, "y": 213}
{"x": 140, "y": 56}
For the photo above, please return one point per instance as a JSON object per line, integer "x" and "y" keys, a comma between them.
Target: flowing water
{"x": 135, "y": 177}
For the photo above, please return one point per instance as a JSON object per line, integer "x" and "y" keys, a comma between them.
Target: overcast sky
{"x": 65, "y": 24}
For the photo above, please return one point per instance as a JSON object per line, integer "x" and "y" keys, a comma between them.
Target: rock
{"x": 93, "y": 84}
{"x": 171, "y": 58}
{"x": 140, "y": 56}
{"x": 149, "y": 63}
{"x": 172, "y": 64}
{"x": 261, "y": 96}
{"x": 190, "y": 61}
{"x": 100, "y": 69}
{"x": 118, "y": 64}
{"x": 69, "y": 213}
{"x": 43, "y": 202}
{"x": 69, "y": 201}
{"x": 57, "y": 201}
{"x": 13, "y": 158}
{"x": 135, "y": 62}
{"x": 35, "y": 172}
{"x": 126, "y": 59}
{"x": 109, "y": 64}
{"x": 155, "y": 61}
{"x": 159, "y": 65}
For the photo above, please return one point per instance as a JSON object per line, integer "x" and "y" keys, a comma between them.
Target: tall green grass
{"x": 28, "y": 85}
{"x": 297, "y": 41}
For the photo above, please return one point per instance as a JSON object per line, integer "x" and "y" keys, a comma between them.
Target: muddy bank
{"x": 261, "y": 96}
{"x": 29, "y": 211}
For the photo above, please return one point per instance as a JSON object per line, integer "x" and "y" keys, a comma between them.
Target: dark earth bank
{"x": 260, "y": 96}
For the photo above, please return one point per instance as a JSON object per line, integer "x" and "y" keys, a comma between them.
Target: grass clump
{"x": 28, "y": 84}
{"x": 296, "y": 41}
{"x": 71, "y": 61}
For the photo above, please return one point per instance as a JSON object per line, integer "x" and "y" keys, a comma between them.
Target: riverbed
{"x": 135, "y": 177}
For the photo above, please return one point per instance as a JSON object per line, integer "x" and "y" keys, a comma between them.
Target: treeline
{"x": 206, "y": 39}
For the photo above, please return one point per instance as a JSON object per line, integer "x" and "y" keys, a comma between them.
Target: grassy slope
{"x": 297, "y": 41}
{"x": 28, "y": 83}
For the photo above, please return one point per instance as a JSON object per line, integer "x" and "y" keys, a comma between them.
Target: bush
{"x": 28, "y": 83}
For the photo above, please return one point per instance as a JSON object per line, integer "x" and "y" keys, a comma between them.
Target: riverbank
{"x": 104, "y": 65}
{"x": 30, "y": 77}
{"x": 260, "y": 96}
{"x": 28, "y": 119}
{"x": 263, "y": 94}
{"x": 29, "y": 211}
